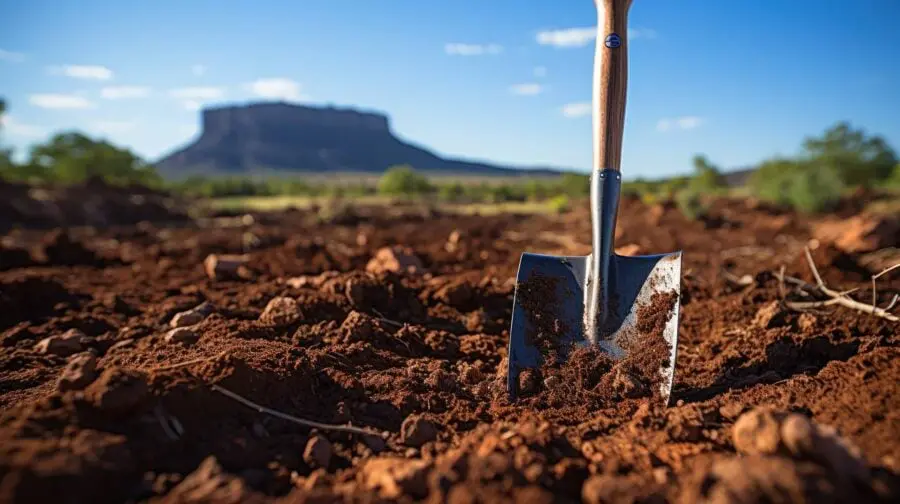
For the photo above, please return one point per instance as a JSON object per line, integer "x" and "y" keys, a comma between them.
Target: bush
{"x": 402, "y": 180}
{"x": 560, "y": 203}
{"x": 690, "y": 202}
{"x": 803, "y": 185}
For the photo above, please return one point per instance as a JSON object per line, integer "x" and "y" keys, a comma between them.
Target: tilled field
{"x": 128, "y": 359}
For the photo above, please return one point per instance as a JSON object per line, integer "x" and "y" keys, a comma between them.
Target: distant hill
{"x": 276, "y": 137}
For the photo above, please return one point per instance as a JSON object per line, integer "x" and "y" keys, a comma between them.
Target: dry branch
{"x": 284, "y": 416}
{"x": 836, "y": 297}
{"x": 262, "y": 409}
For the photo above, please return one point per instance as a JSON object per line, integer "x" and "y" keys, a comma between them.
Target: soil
{"x": 120, "y": 412}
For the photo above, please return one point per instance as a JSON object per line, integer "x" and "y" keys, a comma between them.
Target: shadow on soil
{"x": 785, "y": 358}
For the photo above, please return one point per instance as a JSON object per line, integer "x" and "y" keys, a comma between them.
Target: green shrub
{"x": 560, "y": 203}
{"x": 402, "y": 180}
{"x": 804, "y": 185}
{"x": 690, "y": 202}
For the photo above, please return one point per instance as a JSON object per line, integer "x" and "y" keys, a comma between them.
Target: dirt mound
{"x": 103, "y": 403}
{"x": 93, "y": 203}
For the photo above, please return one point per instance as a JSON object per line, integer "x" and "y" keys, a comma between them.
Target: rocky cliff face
{"x": 267, "y": 137}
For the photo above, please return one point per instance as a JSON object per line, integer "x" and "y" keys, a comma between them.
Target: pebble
{"x": 65, "y": 344}
{"x": 181, "y": 335}
{"x": 318, "y": 452}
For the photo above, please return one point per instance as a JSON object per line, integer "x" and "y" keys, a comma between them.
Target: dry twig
{"x": 840, "y": 298}
{"x": 284, "y": 416}
{"x": 382, "y": 318}
{"x": 262, "y": 409}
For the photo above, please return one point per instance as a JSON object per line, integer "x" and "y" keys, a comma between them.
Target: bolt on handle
{"x": 610, "y": 83}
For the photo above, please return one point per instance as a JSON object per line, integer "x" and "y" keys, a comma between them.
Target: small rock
{"x": 65, "y": 344}
{"x": 769, "y": 316}
{"x": 529, "y": 381}
{"x": 318, "y": 452}
{"x": 221, "y": 267}
{"x": 416, "y": 431}
{"x": 281, "y": 310}
{"x": 80, "y": 371}
{"x": 452, "y": 244}
{"x": 757, "y": 432}
{"x": 187, "y": 318}
{"x": 396, "y": 259}
{"x": 181, "y": 335}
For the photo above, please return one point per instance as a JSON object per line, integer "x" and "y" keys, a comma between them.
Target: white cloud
{"x": 526, "y": 89}
{"x": 60, "y": 101}
{"x": 13, "y": 127}
{"x": 198, "y": 70}
{"x": 193, "y": 98}
{"x": 113, "y": 127}
{"x": 11, "y": 56}
{"x": 580, "y": 37}
{"x": 460, "y": 49}
{"x": 577, "y": 109}
{"x": 540, "y": 71}
{"x": 277, "y": 88}
{"x": 569, "y": 37}
{"x": 681, "y": 123}
{"x": 124, "y": 92}
{"x": 92, "y": 72}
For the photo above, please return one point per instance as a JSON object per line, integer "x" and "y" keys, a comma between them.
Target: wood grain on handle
{"x": 610, "y": 84}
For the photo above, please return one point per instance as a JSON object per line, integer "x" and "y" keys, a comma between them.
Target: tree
{"x": 859, "y": 159}
{"x": 707, "y": 176}
{"x": 403, "y": 180}
{"x": 71, "y": 157}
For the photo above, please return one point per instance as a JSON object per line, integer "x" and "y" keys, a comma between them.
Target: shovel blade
{"x": 550, "y": 294}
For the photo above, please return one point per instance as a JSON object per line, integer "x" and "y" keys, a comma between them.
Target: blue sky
{"x": 499, "y": 80}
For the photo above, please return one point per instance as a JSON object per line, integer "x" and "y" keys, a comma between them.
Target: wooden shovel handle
{"x": 610, "y": 82}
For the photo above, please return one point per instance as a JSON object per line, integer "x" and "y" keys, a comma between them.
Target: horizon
{"x": 495, "y": 83}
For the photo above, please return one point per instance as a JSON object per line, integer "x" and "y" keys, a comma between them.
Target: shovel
{"x": 626, "y": 306}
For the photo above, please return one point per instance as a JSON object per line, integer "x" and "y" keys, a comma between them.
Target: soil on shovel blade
{"x": 133, "y": 367}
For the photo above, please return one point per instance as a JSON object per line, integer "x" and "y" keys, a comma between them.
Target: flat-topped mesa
{"x": 257, "y": 116}
{"x": 283, "y": 138}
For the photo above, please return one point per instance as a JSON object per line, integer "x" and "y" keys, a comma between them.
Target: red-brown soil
{"x": 99, "y": 413}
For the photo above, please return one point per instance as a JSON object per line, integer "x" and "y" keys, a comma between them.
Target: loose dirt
{"x": 417, "y": 356}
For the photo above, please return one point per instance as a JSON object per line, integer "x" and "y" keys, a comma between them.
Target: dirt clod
{"x": 395, "y": 259}
{"x": 80, "y": 371}
{"x": 281, "y": 310}
{"x": 117, "y": 390}
{"x": 416, "y": 431}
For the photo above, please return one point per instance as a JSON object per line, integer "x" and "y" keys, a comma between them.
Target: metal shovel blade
{"x": 554, "y": 300}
